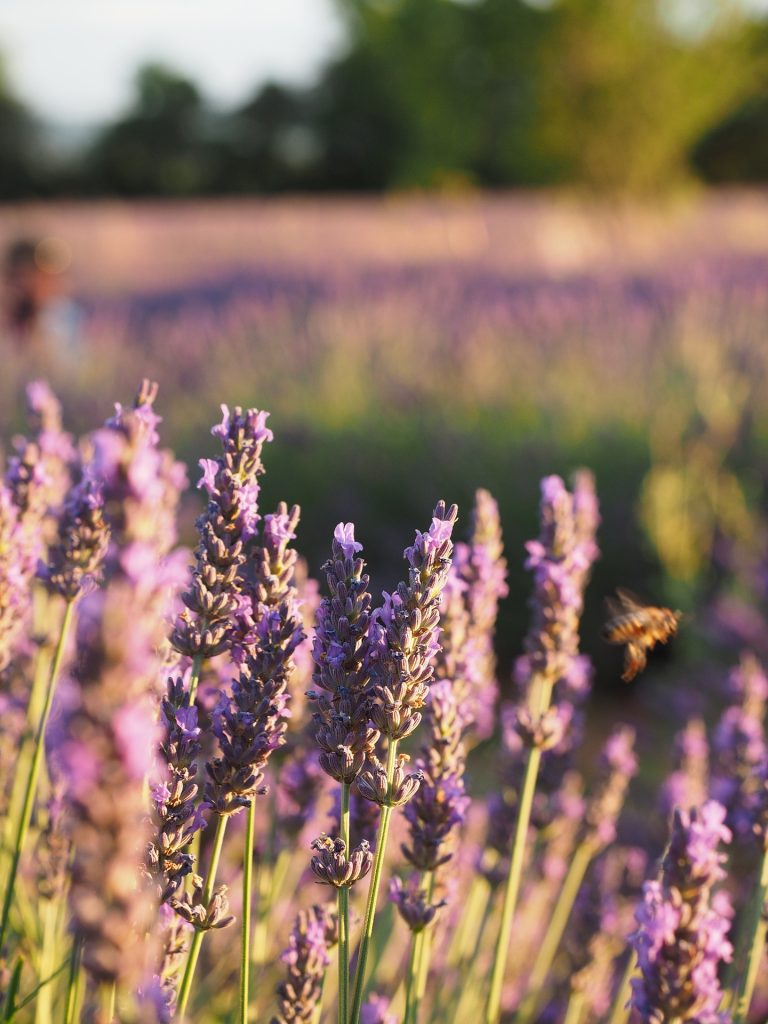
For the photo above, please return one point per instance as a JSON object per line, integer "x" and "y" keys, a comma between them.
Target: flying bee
{"x": 638, "y": 626}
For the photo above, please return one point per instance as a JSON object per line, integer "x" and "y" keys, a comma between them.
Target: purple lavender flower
{"x": 227, "y": 532}
{"x": 618, "y": 765}
{"x": 250, "y": 723}
{"x": 687, "y": 785}
{"x": 75, "y": 560}
{"x": 478, "y": 579}
{"x": 375, "y": 1011}
{"x": 306, "y": 960}
{"x": 413, "y": 903}
{"x": 14, "y": 578}
{"x": 683, "y": 924}
{"x": 740, "y": 753}
{"x": 440, "y": 803}
{"x": 341, "y": 654}
{"x": 405, "y": 631}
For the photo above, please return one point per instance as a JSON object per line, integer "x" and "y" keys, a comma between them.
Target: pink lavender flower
{"x": 683, "y": 924}
{"x": 375, "y": 1010}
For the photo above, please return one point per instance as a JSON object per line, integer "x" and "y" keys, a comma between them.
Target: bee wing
{"x": 634, "y": 662}
{"x": 629, "y": 602}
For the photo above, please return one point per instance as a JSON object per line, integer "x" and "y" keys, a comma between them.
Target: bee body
{"x": 639, "y": 627}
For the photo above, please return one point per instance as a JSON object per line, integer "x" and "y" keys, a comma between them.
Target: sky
{"x": 73, "y": 60}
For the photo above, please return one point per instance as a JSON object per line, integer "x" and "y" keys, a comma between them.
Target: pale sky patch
{"x": 73, "y": 60}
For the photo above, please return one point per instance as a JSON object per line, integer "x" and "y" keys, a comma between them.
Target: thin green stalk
{"x": 47, "y": 960}
{"x": 108, "y": 1001}
{"x": 422, "y": 972}
{"x": 575, "y": 1010}
{"x": 552, "y": 937}
{"x": 245, "y": 944}
{"x": 197, "y": 938}
{"x": 343, "y": 897}
{"x": 34, "y": 773}
{"x": 36, "y": 698}
{"x": 373, "y": 894}
{"x": 73, "y": 982}
{"x": 541, "y": 693}
{"x": 412, "y": 974}
{"x": 194, "y": 675}
{"x": 620, "y": 1007}
{"x": 755, "y": 937}
{"x": 40, "y": 987}
{"x": 540, "y": 698}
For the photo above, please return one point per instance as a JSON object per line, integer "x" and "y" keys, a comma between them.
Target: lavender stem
{"x": 620, "y": 1007}
{"x": 755, "y": 934}
{"x": 373, "y": 892}
{"x": 575, "y": 1010}
{"x": 554, "y": 933}
{"x": 343, "y": 896}
{"x": 541, "y": 695}
{"x": 245, "y": 943}
{"x": 197, "y": 938}
{"x": 73, "y": 983}
{"x": 34, "y": 774}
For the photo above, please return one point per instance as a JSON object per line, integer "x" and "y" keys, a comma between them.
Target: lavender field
{"x": 310, "y": 742}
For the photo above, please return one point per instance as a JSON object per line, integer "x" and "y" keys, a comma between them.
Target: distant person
{"x": 38, "y": 312}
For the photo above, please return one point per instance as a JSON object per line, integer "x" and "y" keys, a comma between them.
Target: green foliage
{"x": 625, "y": 93}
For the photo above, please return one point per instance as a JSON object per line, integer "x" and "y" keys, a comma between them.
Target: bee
{"x": 640, "y": 627}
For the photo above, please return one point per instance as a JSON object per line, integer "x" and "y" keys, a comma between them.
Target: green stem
{"x": 373, "y": 893}
{"x": 197, "y": 938}
{"x": 422, "y": 966}
{"x": 40, "y": 987}
{"x": 73, "y": 983}
{"x": 411, "y": 978}
{"x": 47, "y": 954}
{"x": 245, "y": 944}
{"x": 552, "y": 937}
{"x": 620, "y": 1007}
{"x": 109, "y": 1001}
{"x": 541, "y": 692}
{"x": 34, "y": 774}
{"x": 755, "y": 936}
{"x": 575, "y": 1009}
{"x": 343, "y": 896}
{"x": 194, "y": 675}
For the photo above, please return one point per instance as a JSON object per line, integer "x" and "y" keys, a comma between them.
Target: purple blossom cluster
{"x": 139, "y": 761}
{"x": 683, "y": 924}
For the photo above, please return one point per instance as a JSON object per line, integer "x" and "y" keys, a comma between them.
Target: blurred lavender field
{"x": 415, "y": 346}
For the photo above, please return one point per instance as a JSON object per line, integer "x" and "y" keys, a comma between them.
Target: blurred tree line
{"x": 614, "y": 95}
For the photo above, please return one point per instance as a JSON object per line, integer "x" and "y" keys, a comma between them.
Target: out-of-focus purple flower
{"x": 375, "y": 1010}
{"x": 478, "y": 581}
{"x": 683, "y": 924}
{"x": 413, "y": 903}
{"x": 306, "y": 959}
{"x": 740, "y": 753}
{"x": 687, "y": 785}
{"x": 440, "y": 803}
{"x": 618, "y": 765}
{"x": 75, "y": 559}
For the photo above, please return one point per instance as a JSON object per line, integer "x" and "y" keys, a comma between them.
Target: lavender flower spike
{"x": 306, "y": 960}
{"x": 683, "y": 923}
